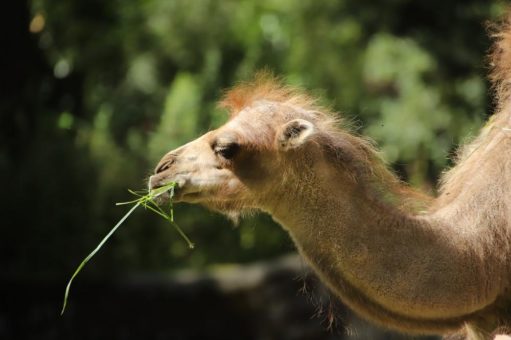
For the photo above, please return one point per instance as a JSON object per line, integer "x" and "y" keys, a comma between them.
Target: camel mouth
{"x": 187, "y": 196}
{"x": 156, "y": 187}
{"x": 178, "y": 194}
{"x": 165, "y": 196}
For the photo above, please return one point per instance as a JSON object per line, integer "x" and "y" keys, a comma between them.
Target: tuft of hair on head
{"x": 500, "y": 58}
{"x": 263, "y": 86}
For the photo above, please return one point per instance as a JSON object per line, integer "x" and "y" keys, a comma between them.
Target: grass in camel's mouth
{"x": 146, "y": 199}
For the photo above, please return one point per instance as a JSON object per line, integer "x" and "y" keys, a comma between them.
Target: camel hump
{"x": 500, "y": 59}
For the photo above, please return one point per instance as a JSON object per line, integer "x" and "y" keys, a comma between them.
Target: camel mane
{"x": 496, "y": 130}
{"x": 499, "y": 59}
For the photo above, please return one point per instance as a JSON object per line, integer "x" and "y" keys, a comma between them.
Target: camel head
{"x": 238, "y": 166}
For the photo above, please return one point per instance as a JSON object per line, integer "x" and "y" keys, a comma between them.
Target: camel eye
{"x": 227, "y": 151}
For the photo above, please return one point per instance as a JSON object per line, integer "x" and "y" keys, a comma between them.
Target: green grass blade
{"x": 156, "y": 209}
{"x": 136, "y": 193}
{"x": 66, "y": 294}
{"x": 146, "y": 200}
{"x": 191, "y": 245}
{"x": 171, "y": 206}
{"x": 128, "y": 202}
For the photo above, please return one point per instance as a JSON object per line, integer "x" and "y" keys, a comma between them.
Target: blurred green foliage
{"x": 112, "y": 86}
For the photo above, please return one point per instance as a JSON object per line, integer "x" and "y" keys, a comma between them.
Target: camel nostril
{"x": 164, "y": 166}
{"x": 165, "y": 163}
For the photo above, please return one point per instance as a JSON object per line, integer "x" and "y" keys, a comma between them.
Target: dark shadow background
{"x": 92, "y": 93}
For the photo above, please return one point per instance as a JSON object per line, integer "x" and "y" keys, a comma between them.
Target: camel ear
{"x": 295, "y": 133}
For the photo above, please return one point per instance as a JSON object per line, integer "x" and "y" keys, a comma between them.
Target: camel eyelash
{"x": 227, "y": 151}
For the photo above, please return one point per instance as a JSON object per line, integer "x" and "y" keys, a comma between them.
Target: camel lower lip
{"x": 177, "y": 195}
{"x": 189, "y": 197}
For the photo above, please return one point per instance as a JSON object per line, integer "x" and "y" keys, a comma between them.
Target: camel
{"x": 401, "y": 259}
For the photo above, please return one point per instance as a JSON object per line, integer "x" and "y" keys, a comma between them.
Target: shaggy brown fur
{"x": 405, "y": 261}
{"x": 500, "y": 58}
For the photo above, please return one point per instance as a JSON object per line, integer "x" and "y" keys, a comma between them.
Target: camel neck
{"x": 411, "y": 272}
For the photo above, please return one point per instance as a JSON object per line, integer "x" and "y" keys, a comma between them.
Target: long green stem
{"x": 148, "y": 202}
{"x": 98, "y": 247}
